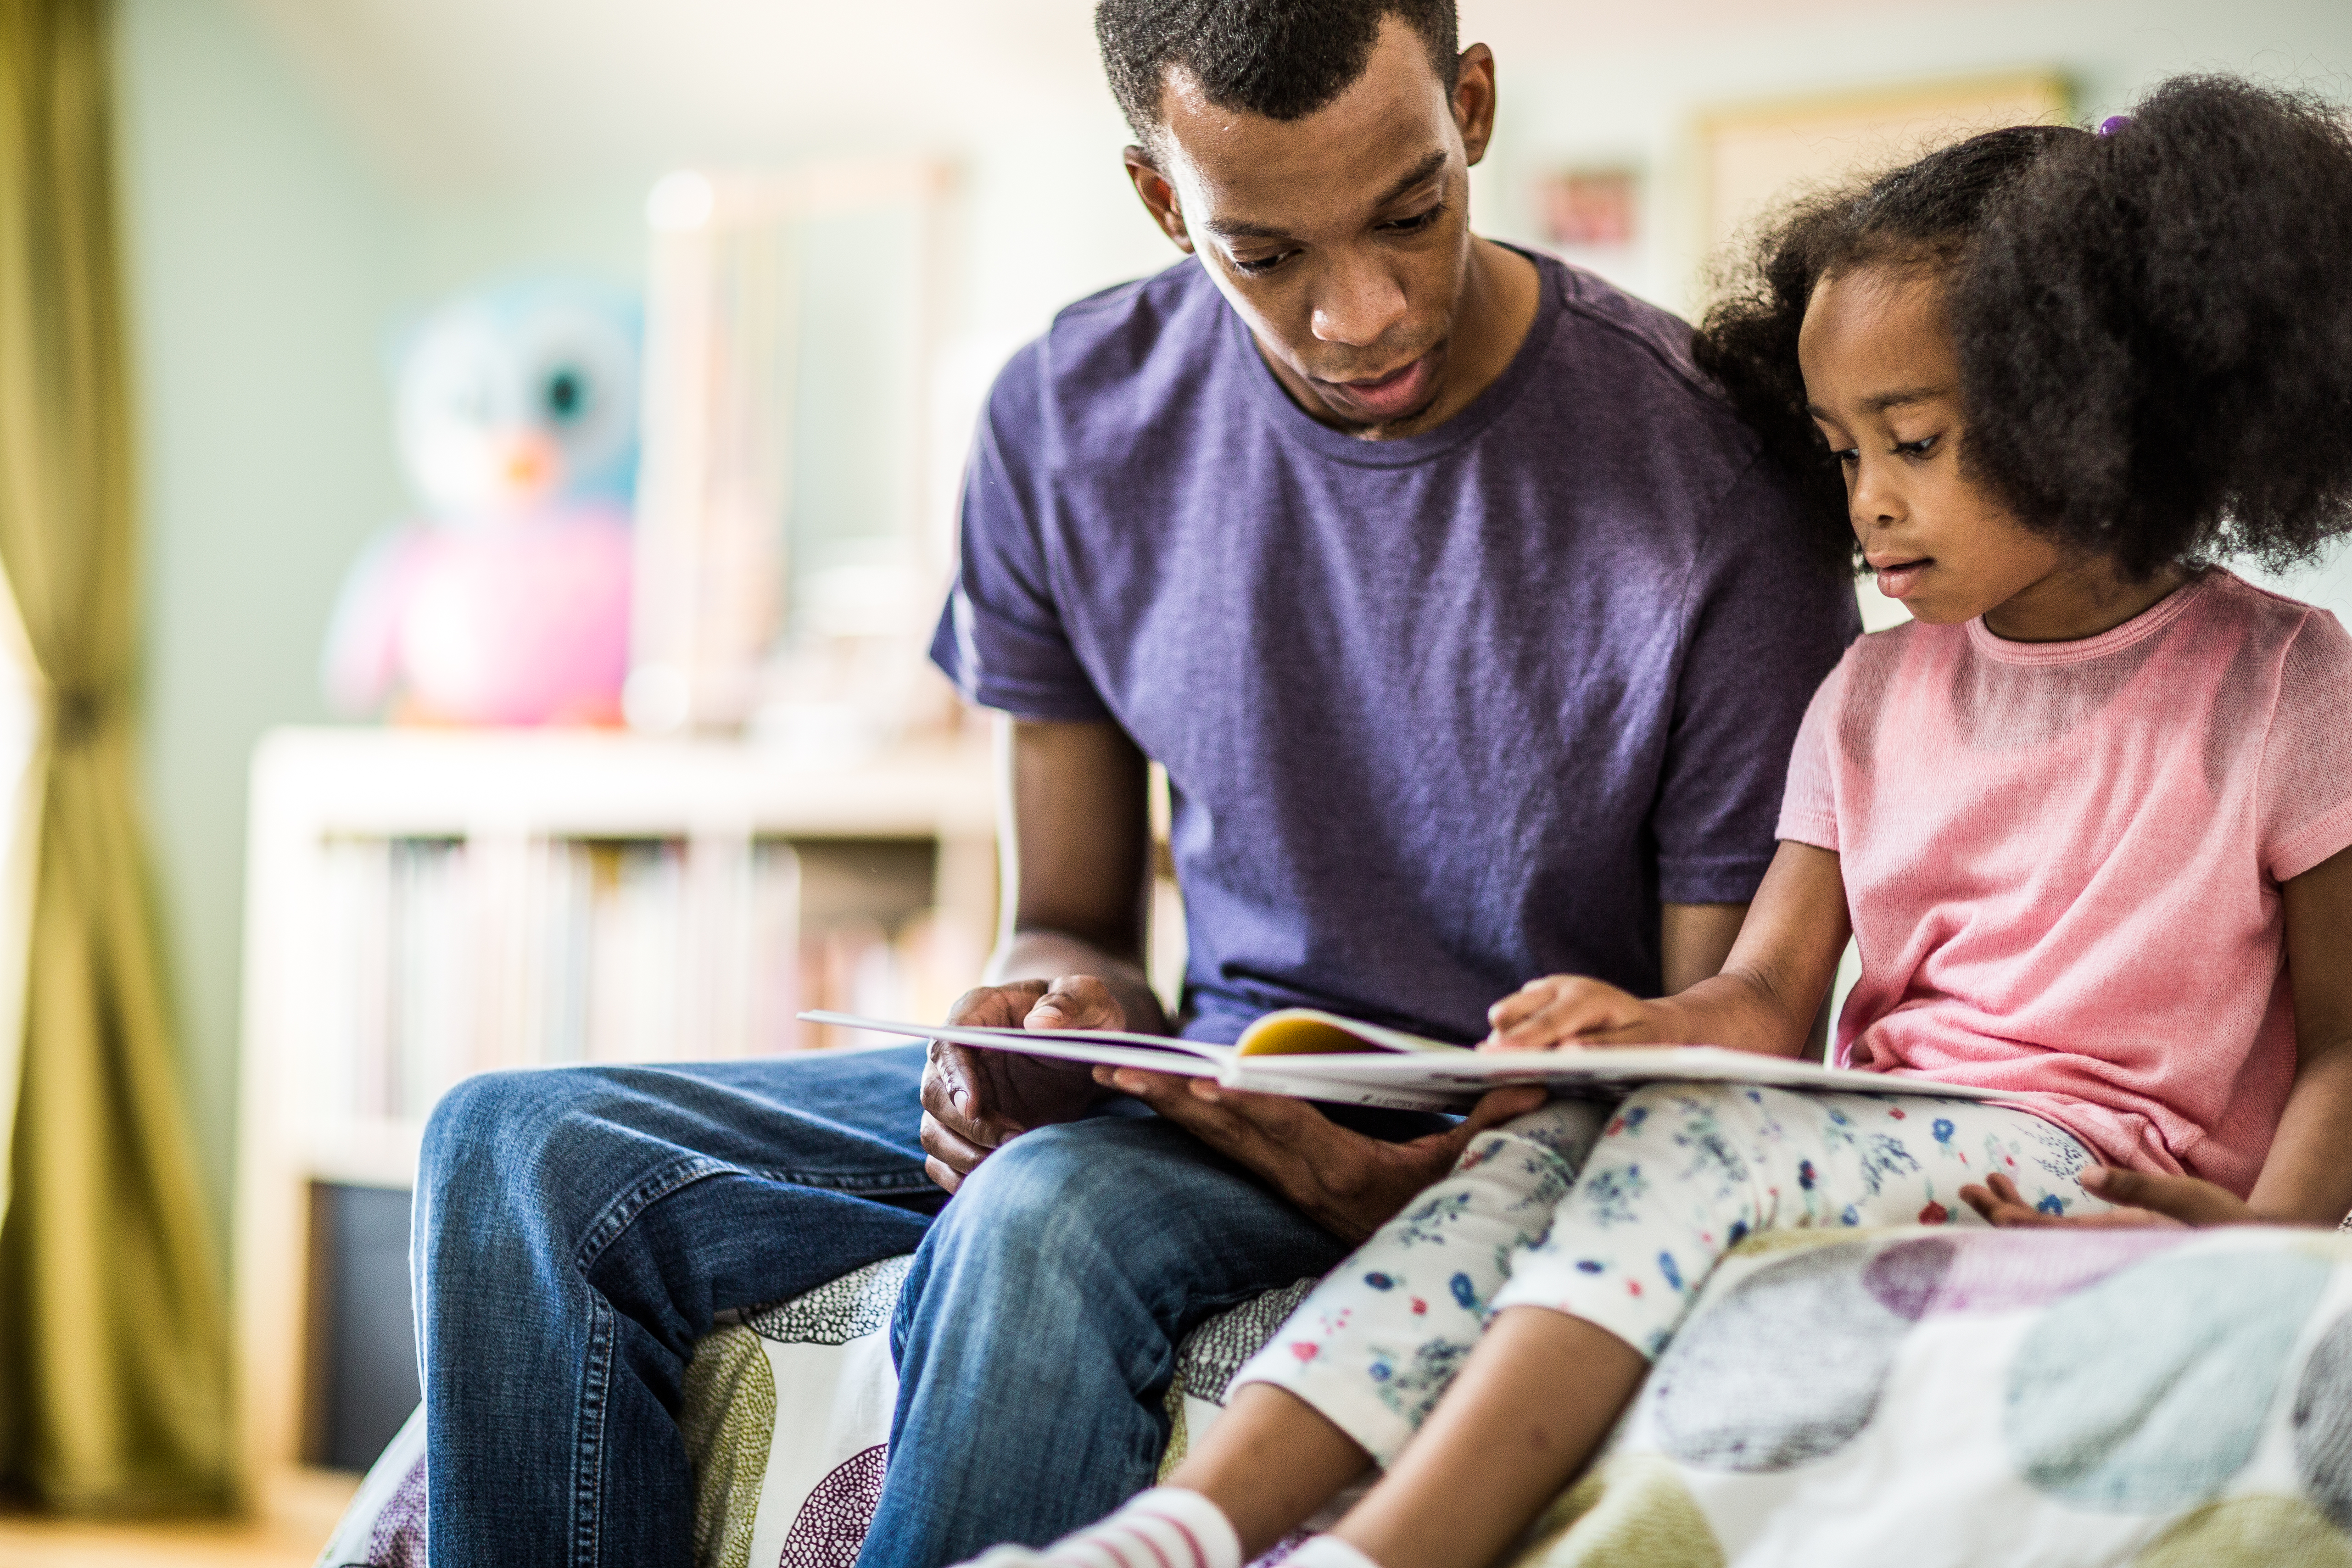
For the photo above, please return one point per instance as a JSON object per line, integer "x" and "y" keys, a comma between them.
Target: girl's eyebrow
{"x": 1881, "y": 401}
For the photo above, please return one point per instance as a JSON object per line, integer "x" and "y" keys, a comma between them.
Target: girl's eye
{"x": 1919, "y": 448}
{"x": 1849, "y": 456}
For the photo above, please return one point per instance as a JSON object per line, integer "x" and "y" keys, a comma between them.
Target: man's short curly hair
{"x": 1280, "y": 58}
{"x": 2154, "y": 326}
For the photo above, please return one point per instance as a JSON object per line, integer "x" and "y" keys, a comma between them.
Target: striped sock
{"x": 1167, "y": 1527}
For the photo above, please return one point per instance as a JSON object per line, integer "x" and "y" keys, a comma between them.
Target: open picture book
{"x": 1322, "y": 1056}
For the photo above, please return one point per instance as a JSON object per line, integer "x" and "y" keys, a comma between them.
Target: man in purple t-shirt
{"x": 1471, "y": 628}
{"x": 1473, "y": 632}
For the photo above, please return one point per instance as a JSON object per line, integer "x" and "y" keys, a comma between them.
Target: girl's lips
{"x": 1898, "y": 580}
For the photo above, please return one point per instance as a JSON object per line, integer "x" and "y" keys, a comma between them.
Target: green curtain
{"x": 113, "y": 1387}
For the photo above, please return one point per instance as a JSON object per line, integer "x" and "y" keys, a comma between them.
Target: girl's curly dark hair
{"x": 2154, "y": 326}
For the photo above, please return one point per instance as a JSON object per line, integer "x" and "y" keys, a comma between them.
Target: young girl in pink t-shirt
{"x": 2086, "y": 817}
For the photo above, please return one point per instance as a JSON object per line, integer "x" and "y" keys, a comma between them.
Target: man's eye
{"x": 1259, "y": 265}
{"x": 1414, "y": 224}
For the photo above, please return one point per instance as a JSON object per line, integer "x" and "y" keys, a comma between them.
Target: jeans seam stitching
{"x": 622, "y": 1211}
{"x": 884, "y": 1181}
{"x": 685, "y": 1172}
{"x": 586, "y": 1490}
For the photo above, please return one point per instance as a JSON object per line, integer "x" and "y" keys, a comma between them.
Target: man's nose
{"x": 1359, "y": 301}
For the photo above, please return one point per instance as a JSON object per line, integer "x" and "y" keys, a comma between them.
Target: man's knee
{"x": 505, "y": 1122}
{"x": 1054, "y": 1207}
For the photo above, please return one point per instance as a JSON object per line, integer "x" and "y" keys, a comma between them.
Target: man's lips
{"x": 1382, "y": 397}
{"x": 1898, "y": 577}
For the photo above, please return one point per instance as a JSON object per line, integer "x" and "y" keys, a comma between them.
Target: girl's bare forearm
{"x": 1772, "y": 988}
{"x": 1739, "y": 1009}
{"x": 2305, "y": 1180}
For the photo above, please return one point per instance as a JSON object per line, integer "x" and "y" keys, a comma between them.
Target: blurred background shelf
{"x": 427, "y": 904}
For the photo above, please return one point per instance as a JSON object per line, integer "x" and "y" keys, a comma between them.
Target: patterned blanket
{"x": 2156, "y": 1399}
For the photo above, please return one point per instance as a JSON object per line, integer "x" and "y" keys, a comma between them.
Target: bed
{"x": 1928, "y": 1396}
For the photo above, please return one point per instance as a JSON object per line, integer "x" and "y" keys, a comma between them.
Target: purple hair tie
{"x": 2113, "y": 123}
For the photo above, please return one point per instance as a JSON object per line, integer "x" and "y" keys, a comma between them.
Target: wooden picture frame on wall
{"x": 1753, "y": 157}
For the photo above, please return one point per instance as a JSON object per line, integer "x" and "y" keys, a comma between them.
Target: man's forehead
{"x": 1385, "y": 133}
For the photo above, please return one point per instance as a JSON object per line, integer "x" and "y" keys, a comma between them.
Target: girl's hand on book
{"x": 1563, "y": 1012}
{"x": 2141, "y": 1197}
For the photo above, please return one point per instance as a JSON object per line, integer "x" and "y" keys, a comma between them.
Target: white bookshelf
{"x": 754, "y": 853}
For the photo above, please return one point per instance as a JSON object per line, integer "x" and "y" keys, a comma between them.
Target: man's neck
{"x": 1501, "y": 290}
{"x": 1499, "y": 295}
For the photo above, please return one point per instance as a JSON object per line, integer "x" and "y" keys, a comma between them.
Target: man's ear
{"x": 1159, "y": 196}
{"x": 1474, "y": 101}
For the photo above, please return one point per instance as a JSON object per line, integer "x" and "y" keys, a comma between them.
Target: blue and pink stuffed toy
{"x": 507, "y": 601}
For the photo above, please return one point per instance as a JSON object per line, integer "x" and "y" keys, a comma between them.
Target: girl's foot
{"x": 1167, "y": 1527}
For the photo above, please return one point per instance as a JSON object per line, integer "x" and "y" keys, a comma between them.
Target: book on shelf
{"x": 439, "y": 957}
{"x": 1317, "y": 1055}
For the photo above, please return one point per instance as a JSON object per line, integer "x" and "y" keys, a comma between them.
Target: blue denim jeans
{"x": 576, "y": 1229}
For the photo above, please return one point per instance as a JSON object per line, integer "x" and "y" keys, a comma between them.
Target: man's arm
{"x": 1075, "y": 847}
{"x": 1074, "y": 836}
{"x": 1073, "y": 819}
{"x": 1693, "y": 940}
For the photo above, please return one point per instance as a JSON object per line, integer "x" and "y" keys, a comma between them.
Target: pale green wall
{"x": 271, "y": 260}
{"x": 261, "y": 279}
{"x": 1640, "y": 105}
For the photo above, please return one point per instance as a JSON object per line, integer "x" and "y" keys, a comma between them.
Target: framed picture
{"x": 1585, "y": 209}
{"x": 1753, "y": 157}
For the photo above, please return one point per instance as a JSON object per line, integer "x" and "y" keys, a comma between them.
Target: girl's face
{"x": 1882, "y": 383}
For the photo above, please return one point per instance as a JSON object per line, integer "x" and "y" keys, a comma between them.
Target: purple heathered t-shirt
{"x": 1440, "y": 714}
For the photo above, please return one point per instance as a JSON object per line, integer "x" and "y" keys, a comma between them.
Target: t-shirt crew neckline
{"x": 1482, "y": 411}
{"x": 2144, "y": 624}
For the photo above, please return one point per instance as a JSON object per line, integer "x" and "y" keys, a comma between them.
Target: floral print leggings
{"x": 1671, "y": 1179}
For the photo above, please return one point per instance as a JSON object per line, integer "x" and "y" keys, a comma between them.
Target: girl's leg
{"x": 1269, "y": 1462}
{"x": 1356, "y": 1368}
{"x": 1682, "y": 1174}
{"x": 1381, "y": 1338}
{"x": 1530, "y": 1406}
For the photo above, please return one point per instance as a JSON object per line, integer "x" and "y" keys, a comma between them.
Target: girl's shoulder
{"x": 2234, "y": 595}
{"x": 2218, "y": 610}
{"x": 2255, "y": 654}
{"x": 1872, "y": 657}
{"x": 2308, "y": 643}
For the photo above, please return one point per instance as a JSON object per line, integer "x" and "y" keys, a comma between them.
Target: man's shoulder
{"x": 1135, "y": 341}
{"x": 1655, "y": 437}
{"x": 1638, "y": 354}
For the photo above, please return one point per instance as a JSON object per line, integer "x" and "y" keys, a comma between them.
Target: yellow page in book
{"x": 1306, "y": 1032}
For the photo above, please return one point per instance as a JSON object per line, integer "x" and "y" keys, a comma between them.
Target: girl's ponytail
{"x": 2155, "y": 331}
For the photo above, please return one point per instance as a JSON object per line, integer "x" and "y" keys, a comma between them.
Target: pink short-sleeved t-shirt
{"x": 2062, "y": 860}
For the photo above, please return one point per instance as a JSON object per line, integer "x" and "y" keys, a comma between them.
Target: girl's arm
{"x": 1764, "y": 1000}
{"x": 2306, "y": 1179}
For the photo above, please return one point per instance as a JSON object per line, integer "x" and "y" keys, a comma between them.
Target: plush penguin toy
{"x": 507, "y": 601}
